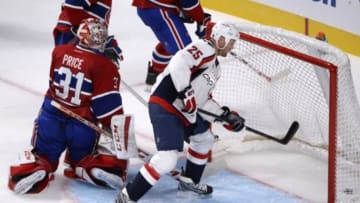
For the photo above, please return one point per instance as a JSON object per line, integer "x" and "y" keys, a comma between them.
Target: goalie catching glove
{"x": 184, "y": 16}
{"x": 234, "y": 122}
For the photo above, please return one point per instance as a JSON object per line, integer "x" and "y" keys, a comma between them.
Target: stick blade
{"x": 280, "y": 75}
{"x": 291, "y": 132}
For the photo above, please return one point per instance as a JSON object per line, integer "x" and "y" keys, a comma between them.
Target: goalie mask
{"x": 92, "y": 33}
{"x": 226, "y": 30}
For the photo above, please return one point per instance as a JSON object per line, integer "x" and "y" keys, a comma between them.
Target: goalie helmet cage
{"x": 316, "y": 90}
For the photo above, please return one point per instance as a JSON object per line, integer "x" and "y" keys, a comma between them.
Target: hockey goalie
{"x": 85, "y": 84}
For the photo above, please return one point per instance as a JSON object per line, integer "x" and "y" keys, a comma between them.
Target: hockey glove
{"x": 112, "y": 50}
{"x": 188, "y": 98}
{"x": 234, "y": 122}
{"x": 201, "y": 27}
{"x": 185, "y": 17}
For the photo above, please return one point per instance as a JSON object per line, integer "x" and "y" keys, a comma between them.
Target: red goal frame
{"x": 333, "y": 70}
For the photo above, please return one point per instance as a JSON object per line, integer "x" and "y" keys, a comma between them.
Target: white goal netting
{"x": 272, "y": 87}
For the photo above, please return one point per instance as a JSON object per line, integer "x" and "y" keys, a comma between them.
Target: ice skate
{"x": 186, "y": 184}
{"x": 123, "y": 197}
{"x": 150, "y": 78}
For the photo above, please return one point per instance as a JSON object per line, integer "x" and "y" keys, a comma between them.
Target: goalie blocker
{"x": 106, "y": 167}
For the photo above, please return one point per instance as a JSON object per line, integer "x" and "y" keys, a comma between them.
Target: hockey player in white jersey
{"x": 184, "y": 86}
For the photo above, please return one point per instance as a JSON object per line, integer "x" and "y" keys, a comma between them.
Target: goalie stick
{"x": 277, "y": 76}
{"x": 134, "y": 93}
{"x": 144, "y": 156}
{"x": 288, "y": 136}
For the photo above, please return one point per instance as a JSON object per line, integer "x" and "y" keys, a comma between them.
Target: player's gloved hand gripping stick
{"x": 288, "y": 136}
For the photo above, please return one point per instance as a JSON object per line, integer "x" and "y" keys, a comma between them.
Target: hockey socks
{"x": 137, "y": 188}
{"x": 194, "y": 171}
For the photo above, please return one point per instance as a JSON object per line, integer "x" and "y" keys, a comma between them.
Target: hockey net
{"x": 279, "y": 76}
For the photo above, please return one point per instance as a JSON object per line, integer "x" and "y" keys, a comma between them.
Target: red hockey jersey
{"x": 86, "y": 82}
{"x": 73, "y": 11}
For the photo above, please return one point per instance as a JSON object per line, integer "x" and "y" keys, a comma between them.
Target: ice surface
{"x": 25, "y": 48}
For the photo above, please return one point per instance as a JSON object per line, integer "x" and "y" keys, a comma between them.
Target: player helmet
{"x": 227, "y": 30}
{"x": 92, "y": 33}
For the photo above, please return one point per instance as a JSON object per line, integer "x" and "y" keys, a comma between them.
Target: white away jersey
{"x": 195, "y": 65}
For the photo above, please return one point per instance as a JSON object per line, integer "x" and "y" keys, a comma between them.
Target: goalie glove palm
{"x": 234, "y": 122}
{"x": 188, "y": 98}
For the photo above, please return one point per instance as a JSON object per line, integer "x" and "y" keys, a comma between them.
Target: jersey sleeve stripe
{"x": 99, "y": 10}
{"x": 109, "y": 113}
{"x": 74, "y": 6}
{"x": 105, "y": 94}
{"x": 105, "y": 104}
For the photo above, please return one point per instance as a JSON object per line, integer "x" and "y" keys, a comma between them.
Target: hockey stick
{"x": 289, "y": 135}
{"x": 277, "y": 76}
{"x": 134, "y": 93}
{"x": 80, "y": 118}
{"x": 144, "y": 156}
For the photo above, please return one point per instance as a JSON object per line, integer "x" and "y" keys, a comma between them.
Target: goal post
{"x": 317, "y": 90}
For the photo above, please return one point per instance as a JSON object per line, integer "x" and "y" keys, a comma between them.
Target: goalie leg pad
{"x": 31, "y": 177}
{"x": 111, "y": 180}
{"x": 102, "y": 170}
{"x": 25, "y": 184}
{"x": 123, "y": 132}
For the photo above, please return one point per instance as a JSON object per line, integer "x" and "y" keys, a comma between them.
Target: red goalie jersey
{"x": 79, "y": 78}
